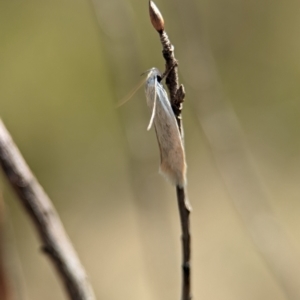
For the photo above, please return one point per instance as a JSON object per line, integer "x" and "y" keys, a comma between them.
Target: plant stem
{"x": 177, "y": 95}
{"x": 45, "y": 219}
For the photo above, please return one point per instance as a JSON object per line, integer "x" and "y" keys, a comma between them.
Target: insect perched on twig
{"x": 172, "y": 155}
{"x": 169, "y": 139}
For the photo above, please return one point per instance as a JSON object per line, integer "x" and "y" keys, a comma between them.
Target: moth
{"x": 170, "y": 142}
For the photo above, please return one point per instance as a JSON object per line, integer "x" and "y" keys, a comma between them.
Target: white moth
{"x": 172, "y": 154}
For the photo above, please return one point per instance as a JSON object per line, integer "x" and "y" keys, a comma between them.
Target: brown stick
{"x": 177, "y": 95}
{"x": 40, "y": 209}
{"x": 184, "y": 212}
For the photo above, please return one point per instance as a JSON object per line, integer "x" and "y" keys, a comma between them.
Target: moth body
{"x": 169, "y": 139}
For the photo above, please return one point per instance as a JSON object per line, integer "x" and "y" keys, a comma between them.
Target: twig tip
{"x": 156, "y": 18}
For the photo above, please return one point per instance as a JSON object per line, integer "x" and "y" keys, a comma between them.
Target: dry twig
{"x": 177, "y": 95}
{"x": 40, "y": 209}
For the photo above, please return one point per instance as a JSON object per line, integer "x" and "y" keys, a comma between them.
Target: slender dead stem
{"x": 184, "y": 213}
{"x": 40, "y": 209}
{"x": 177, "y": 95}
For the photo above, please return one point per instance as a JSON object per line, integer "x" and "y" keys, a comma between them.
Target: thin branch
{"x": 40, "y": 209}
{"x": 177, "y": 95}
{"x": 184, "y": 213}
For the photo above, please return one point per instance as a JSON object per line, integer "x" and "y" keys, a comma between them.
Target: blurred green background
{"x": 64, "y": 65}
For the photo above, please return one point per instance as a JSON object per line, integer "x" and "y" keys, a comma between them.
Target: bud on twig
{"x": 156, "y": 18}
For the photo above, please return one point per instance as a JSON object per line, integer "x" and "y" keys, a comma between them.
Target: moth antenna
{"x": 131, "y": 93}
{"x": 148, "y": 72}
{"x": 153, "y": 109}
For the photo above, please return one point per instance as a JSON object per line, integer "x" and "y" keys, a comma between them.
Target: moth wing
{"x": 169, "y": 138}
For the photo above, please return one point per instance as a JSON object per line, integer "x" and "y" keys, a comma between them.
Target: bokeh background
{"x": 64, "y": 65}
